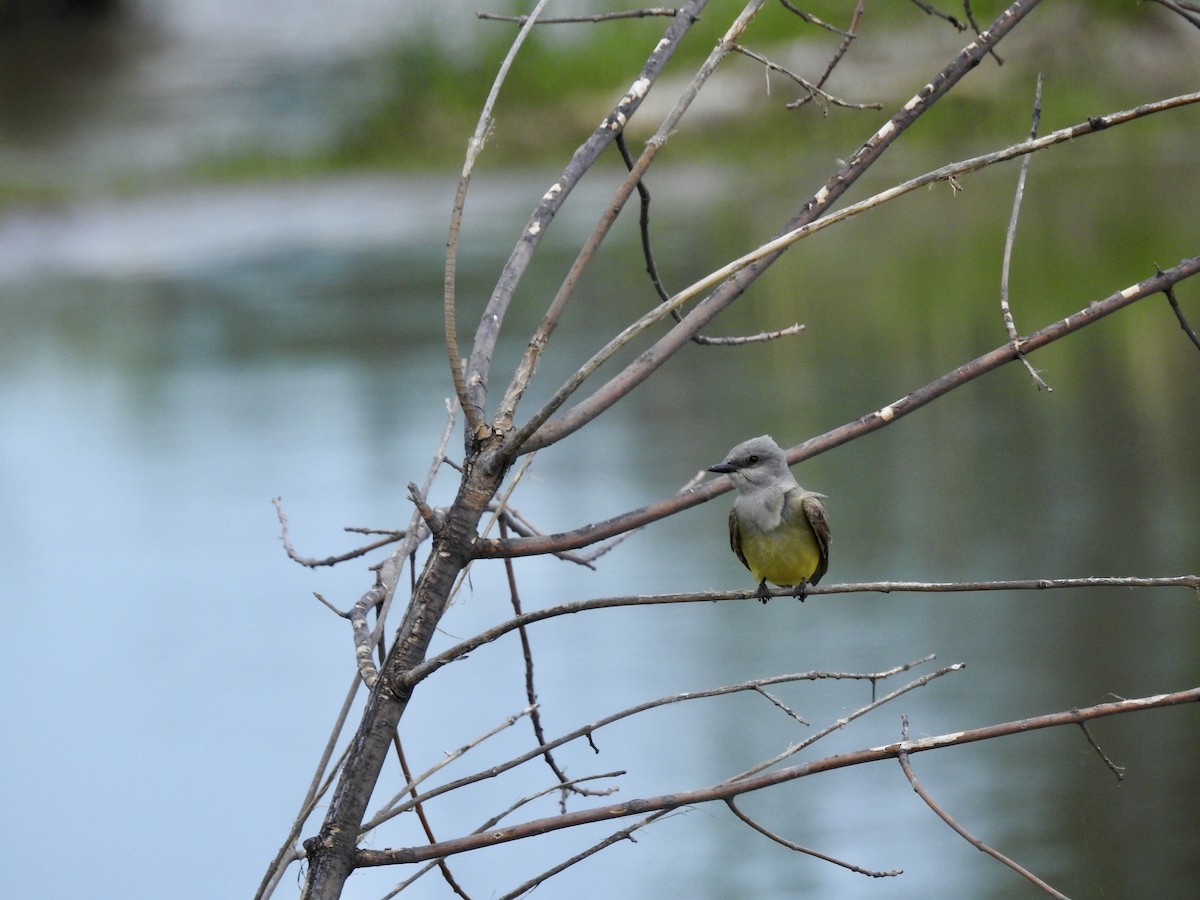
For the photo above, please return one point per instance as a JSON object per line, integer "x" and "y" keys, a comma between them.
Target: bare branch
{"x": 811, "y": 19}
{"x": 1118, "y": 771}
{"x": 783, "y": 706}
{"x": 493, "y": 820}
{"x": 847, "y": 719}
{"x": 419, "y": 809}
{"x": 929, "y": 10}
{"x": 466, "y": 399}
{"x": 814, "y": 92}
{"x": 624, "y": 834}
{"x": 975, "y": 842}
{"x": 408, "y": 789}
{"x": 1189, "y": 12}
{"x": 975, "y": 27}
{"x": 391, "y": 538}
{"x": 535, "y": 718}
{"x": 656, "y": 281}
{"x": 321, "y": 781}
{"x": 732, "y": 280}
{"x": 729, "y": 789}
{"x": 581, "y": 161}
{"x": 1010, "y": 238}
{"x": 872, "y": 421}
{"x": 848, "y": 37}
{"x": 791, "y": 845}
{"x": 587, "y": 731}
{"x": 432, "y": 520}
{"x": 1183, "y": 322}
{"x": 578, "y": 20}
{"x": 508, "y": 406}
{"x": 429, "y": 666}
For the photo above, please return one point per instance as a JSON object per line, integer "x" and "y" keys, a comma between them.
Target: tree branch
{"x": 873, "y": 421}
{"x": 726, "y": 790}
{"x": 962, "y": 832}
{"x": 549, "y": 323}
{"x": 581, "y": 162}
{"x": 734, "y": 279}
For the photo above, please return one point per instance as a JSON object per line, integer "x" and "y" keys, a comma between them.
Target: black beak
{"x": 723, "y": 468}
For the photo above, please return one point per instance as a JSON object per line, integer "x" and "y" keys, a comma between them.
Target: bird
{"x": 776, "y": 528}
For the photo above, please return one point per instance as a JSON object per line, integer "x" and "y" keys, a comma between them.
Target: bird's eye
{"x": 753, "y": 458}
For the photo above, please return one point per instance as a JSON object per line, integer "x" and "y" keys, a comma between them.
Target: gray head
{"x": 757, "y": 462}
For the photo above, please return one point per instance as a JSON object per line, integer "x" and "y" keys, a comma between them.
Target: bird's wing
{"x": 735, "y": 537}
{"x": 814, "y": 511}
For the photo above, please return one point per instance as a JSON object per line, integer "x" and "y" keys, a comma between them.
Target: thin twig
{"x": 1183, "y": 322}
{"x": 1010, "y": 238}
{"x": 588, "y": 730}
{"x": 578, "y": 20}
{"x": 652, "y": 268}
{"x": 499, "y": 817}
{"x": 655, "y": 279}
{"x": 321, "y": 781}
{"x": 1118, "y": 771}
{"x": 792, "y": 845}
{"x": 447, "y": 758}
{"x": 467, "y": 400}
{"x": 535, "y": 717}
{"x": 419, "y": 809}
{"x": 929, "y": 9}
{"x": 521, "y": 526}
{"x": 624, "y": 834}
{"x": 582, "y": 160}
{"x": 312, "y": 563}
{"x": 814, "y": 92}
{"x": 848, "y": 37}
{"x": 779, "y": 703}
{"x": 525, "y": 369}
{"x": 727, "y": 789}
{"x": 811, "y": 19}
{"x": 846, "y": 720}
{"x": 975, "y": 842}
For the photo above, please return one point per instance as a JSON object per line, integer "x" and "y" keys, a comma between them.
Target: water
{"x": 171, "y": 362}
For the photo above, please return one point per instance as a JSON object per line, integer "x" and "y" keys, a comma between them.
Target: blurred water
{"x": 168, "y": 363}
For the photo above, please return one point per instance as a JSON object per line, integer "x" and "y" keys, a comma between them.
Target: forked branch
{"x": 727, "y": 790}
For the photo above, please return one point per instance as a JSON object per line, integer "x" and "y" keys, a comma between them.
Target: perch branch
{"x": 872, "y": 421}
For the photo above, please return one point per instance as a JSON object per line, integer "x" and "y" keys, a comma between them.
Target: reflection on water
{"x": 169, "y": 363}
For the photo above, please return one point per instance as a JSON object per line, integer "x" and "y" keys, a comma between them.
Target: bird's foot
{"x": 801, "y": 590}
{"x": 763, "y": 593}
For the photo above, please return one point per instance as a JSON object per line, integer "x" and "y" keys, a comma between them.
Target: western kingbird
{"x": 777, "y": 528}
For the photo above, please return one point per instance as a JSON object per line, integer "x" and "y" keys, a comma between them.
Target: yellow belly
{"x": 785, "y": 560}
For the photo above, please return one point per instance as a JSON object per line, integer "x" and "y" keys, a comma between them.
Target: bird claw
{"x": 801, "y": 590}
{"x": 763, "y": 593}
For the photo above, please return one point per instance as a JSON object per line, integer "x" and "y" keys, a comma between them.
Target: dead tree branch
{"x": 726, "y": 790}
